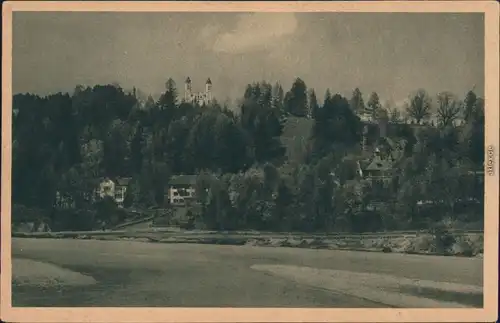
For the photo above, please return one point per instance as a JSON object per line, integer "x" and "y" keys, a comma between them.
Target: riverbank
{"x": 464, "y": 244}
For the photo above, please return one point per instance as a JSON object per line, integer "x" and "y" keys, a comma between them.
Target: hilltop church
{"x": 201, "y": 98}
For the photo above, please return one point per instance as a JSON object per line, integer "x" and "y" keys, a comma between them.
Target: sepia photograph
{"x": 275, "y": 158}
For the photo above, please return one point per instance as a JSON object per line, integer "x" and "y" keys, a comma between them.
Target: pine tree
{"x": 278, "y": 97}
{"x": 296, "y": 99}
{"x": 313, "y": 104}
{"x": 469, "y": 105}
{"x": 150, "y": 103}
{"x": 373, "y": 105}
{"x": 328, "y": 96}
{"x": 356, "y": 103}
{"x": 169, "y": 98}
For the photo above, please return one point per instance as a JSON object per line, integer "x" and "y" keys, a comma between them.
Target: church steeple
{"x": 187, "y": 89}
{"x": 208, "y": 89}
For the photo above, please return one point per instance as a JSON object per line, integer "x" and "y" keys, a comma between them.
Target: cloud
{"x": 254, "y": 31}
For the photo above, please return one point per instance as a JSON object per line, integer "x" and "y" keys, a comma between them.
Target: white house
{"x": 106, "y": 187}
{"x": 114, "y": 188}
{"x": 181, "y": 189}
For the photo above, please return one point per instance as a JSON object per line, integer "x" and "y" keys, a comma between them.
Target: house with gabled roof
{"x": 115, "y": 188}
{"x": 181, "y": 189}
{"x": 380, "y": 164}
{"x": 378, "y": 168}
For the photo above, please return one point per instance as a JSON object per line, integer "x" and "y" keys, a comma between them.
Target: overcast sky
{"x": 390, "y": 53}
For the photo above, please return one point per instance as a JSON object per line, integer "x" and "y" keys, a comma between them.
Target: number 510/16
{"x": 490, "y": 162}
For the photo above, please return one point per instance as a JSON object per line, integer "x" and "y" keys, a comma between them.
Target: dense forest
{"x": 67, "y": 142}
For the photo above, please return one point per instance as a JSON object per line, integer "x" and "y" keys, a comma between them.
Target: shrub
{"x": 461, "y": 247}
{"x": 73, "y": 220}
{"x": 467, "y": 246}
{"x": 421, "y": 244}
{"x": 21, "y": 214}
{"x": 443, "y": 239}
{"x": 161, "y": 221}
{"x": 386, "y": 249}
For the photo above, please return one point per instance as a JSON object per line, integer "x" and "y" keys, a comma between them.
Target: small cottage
{"x": 379, "y": 168}
{"x": 114, "y": 188}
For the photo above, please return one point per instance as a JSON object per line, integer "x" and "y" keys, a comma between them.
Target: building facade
{"x": 106, "y": 187}
{"x": 116, "y": 189}
{"x": 181, "y": 189}
{"x": 201, "y": 98}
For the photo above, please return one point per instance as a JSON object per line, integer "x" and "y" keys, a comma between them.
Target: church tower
{"x": 201, "y": 98}
{"x": 208, "y": 90}
{"x": 187, "y": 89}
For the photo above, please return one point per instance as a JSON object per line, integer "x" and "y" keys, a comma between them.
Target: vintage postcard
{"x": 250, "y": 161}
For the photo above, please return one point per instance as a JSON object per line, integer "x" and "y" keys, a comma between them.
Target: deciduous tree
{"x": 419, "y": 107}
{"x": 448, "y": 108}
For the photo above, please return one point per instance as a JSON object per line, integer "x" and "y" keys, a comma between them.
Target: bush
{"x": 161, "y": 221}
{"x": 108, "y": 213}
{"x": 443, "y": 239}
{"x": 23, "y": 214}
{"x": 73, "y": 220}
{"x": 119, "y": 216}
{"x": 461, "y": 247}
{"x": 467, "y": 246}
{"x": 190, "y": 223}
{"x": 421, "y": 244}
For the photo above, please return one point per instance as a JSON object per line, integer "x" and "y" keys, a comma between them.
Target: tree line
{"x": 67, "y": 142}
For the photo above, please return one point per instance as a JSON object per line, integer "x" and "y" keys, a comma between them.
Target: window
{"x": 119, "y": 193}
{"x": 178, "y": 200}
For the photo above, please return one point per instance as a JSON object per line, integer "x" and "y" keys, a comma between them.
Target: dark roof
{"x": 123, "y": 181}
{"x": 364, "y": 163}
{"x": 183, "y": 180}
{"x": 209, "y": 81}
{"x": 379, "y": 164}
{"x": 390, "y": 142}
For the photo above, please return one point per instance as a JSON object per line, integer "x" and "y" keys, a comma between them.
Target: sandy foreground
{"x": 126, "y": 273}
{"x": 375, "y": 287}
{"x": 35, "y": 273}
